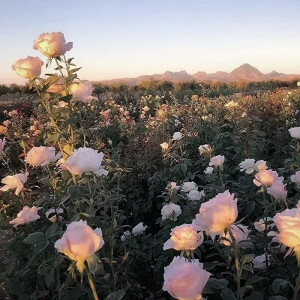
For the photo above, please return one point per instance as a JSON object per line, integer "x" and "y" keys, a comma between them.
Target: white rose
{"x": 26, "y": 215}
{"x": 195, "y": 195}
{"x": 80, "y": 242}
{"x": 139, "y": 229}
{"x": 41, "y": 156}
{"x": 84, "y": 160}
{"x": 295, "y": 132}
{"x": 185, "y": 280}
{"x": 52, "y": 44}
{"x": 296, "y": 178}
{"x": 16, "y": 182}
{"x": 209, "y": 170}
{"x": 184, "y": 237}
{"x": 217, "y": 161}
{"x": 259, "y": 262}
{"x": 125, "y": 235}
{"x": 217, "y": 214}
{"x": 171, "y": 211}
{"x": 177, "y": 136}
{"x": 189, "y": 186}
{"x": 28, "y": 67}
{"x": 247, "y": 165}
{"x": 82, "y": 91}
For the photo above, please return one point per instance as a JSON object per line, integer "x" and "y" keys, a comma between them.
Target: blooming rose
{"x": 52, "y": 44}
{"x": 184, "y": 237}
{"x": 189, "y": 186}
{"x": 84, "y": 160}
{"x": 2, "y": 144}
{"x": 184, "y": 279}
{"x": 164, "y": 146}
{"x": 260, "y": 225}
{"x": 171, "y": 211}
{"x": 217, "y": 214}
{"x": 29, "y": 67}
{"x": 52, "y": 214}
{"x": 172, "y": 186}
{"x": 41, "y": 156}
{"x": 277, "y": 190}
{"x": 82, "y": 91}
{"x": 195, "y": 195}
{"x": 139, "y": 229}
{"x": 259, "y": 262}
{"x": 3, "y": 130}
{"x": 14, "y": 182}
{"x": 205, "y": 149}
{"x": 26, "y": 215}
{"x": 288, "y": 224}
{"x": 247, "y": 165}
{"x": 80, "y": 242}
{"x": 295, "y": 132}
{"x": 265, "y": 177}
{"x": 295, "y": 178}
{"x": 209, "y": 170}
{"x": 177, "y": 136}
{"x": 217, "y": 161}
{"x": 260, "y": 165}
{"x": 6, "y": 123}
{"x": 240, "y": 233}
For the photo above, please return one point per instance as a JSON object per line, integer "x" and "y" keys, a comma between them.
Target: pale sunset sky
{"x": 128, "y": 38}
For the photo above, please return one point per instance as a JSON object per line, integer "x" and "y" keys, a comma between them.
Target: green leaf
{"x": 51, "y": 138}
{"x": 116, "y": 295}
{"x": 51, "y": 230}
{"x": 34, "y": 238}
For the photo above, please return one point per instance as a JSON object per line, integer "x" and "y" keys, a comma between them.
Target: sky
{"x": 128, "y": 38}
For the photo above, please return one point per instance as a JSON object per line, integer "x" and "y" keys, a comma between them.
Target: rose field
{"x": 146, "y": 193}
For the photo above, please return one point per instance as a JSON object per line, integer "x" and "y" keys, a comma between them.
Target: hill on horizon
{"x": 245, "y": 72}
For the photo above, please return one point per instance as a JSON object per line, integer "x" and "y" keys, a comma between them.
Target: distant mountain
{"x": 245, "y": 72}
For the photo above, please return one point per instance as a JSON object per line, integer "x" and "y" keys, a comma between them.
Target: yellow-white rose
{"x": 288, "y": 224}
{"x": 80, "y": 242}
{"x": 82, "y": 91}
{"x": 217, "y": 161}
{"x": 184, "y": 237}
{"x": 29, "y": 67}
{"x": 52, "y": 44}
{"x": 185, "y": 280}
{"x": 265, "y": 177}
{"x": 217, "y": 214}
{"x": 240, "y": 233}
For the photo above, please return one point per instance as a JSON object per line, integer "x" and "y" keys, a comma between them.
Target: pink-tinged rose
{"x": 57, "y": 87}
{"x": 265, "y": 177}
{"x": 6, "y": 123}
{"x": 259, "y": 262}
{"x": 80, "y": 242}
{"x": 277, "y": 190}
{"x": 26, "y": 215}
{"x": 2, "y": 144}
{"x": 185, "y": 280}
{"x": 288, "y": 224}
{"x": 14, "y": 182}
{"x": 239, "y": 232}
{"x": 295, "y": 132}
{"x": 260, "y": 225}
{"x": 184, "y": 237}
{"x": 170, "y": 211}
{"x": 296, "y": 178}
{"x": 195, "y": 195}
{"x": 82, "y": 91}
{"x": 29, "y": 67}
{"x": 217, "y": 214}
{"x": 52, "y": 44}
{"x": 189, "y": 186}
{"x": 84, "y": 160}
{"x": 41, "y": 156}
{"x": 217, "y": 161}
{"x": 260, "y": 165}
